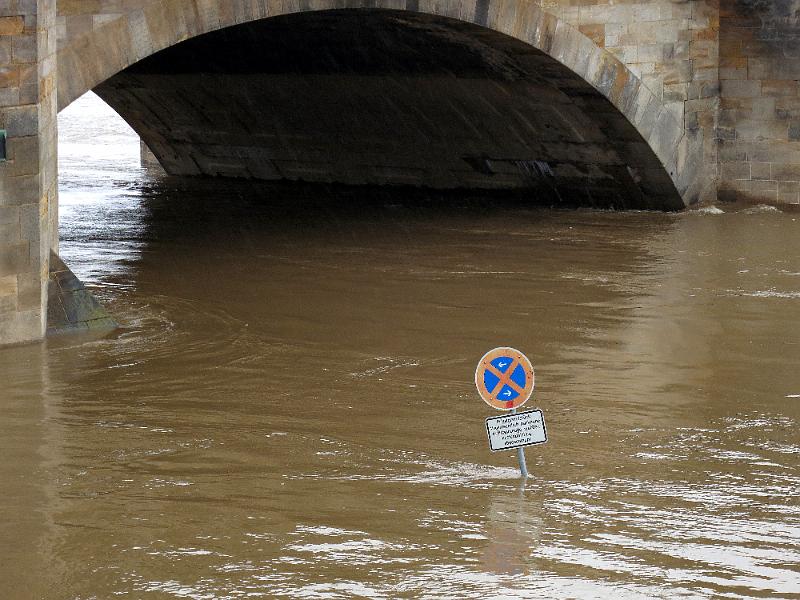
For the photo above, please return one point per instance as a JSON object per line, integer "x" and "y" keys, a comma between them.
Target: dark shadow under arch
{"x": 387, "y": 98}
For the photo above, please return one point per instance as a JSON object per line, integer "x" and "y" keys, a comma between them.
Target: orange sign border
{"x": 485, "y": 363}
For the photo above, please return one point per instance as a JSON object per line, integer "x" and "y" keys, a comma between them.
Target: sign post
{"x": 505, "y": 379}
{"x": 523, "y": 468}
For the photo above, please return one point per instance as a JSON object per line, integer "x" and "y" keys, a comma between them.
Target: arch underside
{"x": 366, "y": 96}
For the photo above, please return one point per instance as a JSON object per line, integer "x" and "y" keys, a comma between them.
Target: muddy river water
{"x": 288, "y": 410}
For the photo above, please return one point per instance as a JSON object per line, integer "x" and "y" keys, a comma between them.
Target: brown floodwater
{"x": 288, "y": 410}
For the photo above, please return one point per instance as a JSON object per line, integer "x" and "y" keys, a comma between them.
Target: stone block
{"x": 776, "y": 153}
{"x": 9, "y": 97}
{"x": 705, "y": 35}
{"x": 764, "y": 109}
{"x": 23, "y": 152}
{"x": 22, "y": 326}
{"x": 30, "y": 291}
{"x": 78, "y": 25}
{"x": 8, "y": 214}
{"x": 787, "y": 107}
{"x": 650, "y": 52}
{"x": 676, "y": 92}
{"x": 732, "y": 67}
{"x": 9, "y": 76}
{"x": 613, "y": 33}
{"x": 772, "y": 67}
{"x": 786, "y": 172}
{"x": 9, "y": 233}
{"x": 788, "y": 197}
{"x": 771, "y": 87}
{"x": 30, "y": 222}
{"x": 625, "y": 54}
{"x": 677, "y": 71}
{"x": 740, "y": 88}
{"x": 703, "y": 73}
{"x": 595, "y": 32}
{"x": 24, "y": 49}
{"x": 11, "y": 25}
{"x": 647, "y": 12}
{"x": 20, "y": 190}
{"x": 704, "y": 90}
{"x": 735, "y": 170}
{"x": 5, "y": 50}
{"x": 752, "y": 130}
{"x": 766, "y": 190}
{"x": 664, "y": 137}
{"x": 789, "y": 187}
{"x": 727, "y": 103}
{"x": 725, "y": 134}
{"x": 692, "y": 122}
{"x": 8, "y": 286}
{"x": 8, "y": 307}
{"x": 732, "y": 152}
{"x": 676, "y": 109}
{"x": 14, "y": 258}
{"x": 760, "y": 171}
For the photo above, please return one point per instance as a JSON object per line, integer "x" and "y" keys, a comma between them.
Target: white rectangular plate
{"x": 516, "y": 430}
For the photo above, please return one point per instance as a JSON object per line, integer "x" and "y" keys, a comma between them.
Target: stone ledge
{"x": 71, "y": 308}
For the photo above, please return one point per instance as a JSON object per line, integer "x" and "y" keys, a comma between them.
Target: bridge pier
{"x": 28, "y": 175}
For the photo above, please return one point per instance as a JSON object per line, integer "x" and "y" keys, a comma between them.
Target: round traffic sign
{"x": 504, "y": 378}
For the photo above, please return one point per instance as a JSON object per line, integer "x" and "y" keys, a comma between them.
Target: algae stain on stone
{"x": 71, "y": 308}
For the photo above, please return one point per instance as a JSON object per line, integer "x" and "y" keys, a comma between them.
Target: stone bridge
{"x": 629, "y": 103}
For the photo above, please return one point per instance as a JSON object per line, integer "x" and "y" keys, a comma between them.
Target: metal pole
{"x": 523, "y": 468}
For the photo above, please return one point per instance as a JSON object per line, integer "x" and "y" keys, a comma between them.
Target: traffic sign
{"x": 504, "y": 378}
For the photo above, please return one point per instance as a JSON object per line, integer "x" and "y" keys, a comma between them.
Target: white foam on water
{"x": 760, "y": 208}
{"x": 708, "y": 210}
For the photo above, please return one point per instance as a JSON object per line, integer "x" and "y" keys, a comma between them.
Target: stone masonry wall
{"x": 672, "y": 45}
{"x": 759, "y": 122}
{"x": 28, "y": 188}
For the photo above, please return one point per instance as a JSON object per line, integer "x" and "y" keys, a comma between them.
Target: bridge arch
{"x": 664, "y": 158}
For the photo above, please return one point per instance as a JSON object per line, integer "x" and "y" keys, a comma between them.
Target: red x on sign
{"x": 504, "y": 378}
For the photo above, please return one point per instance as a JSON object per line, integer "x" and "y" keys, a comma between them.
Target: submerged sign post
{"x": 504, "y": 379}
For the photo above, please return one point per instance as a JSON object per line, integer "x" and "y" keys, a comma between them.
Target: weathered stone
{"x": 786, "y": 172}
{"x": 735, "y": 170}
{"x": 794, "y": 132}
{"x": 11, "y": 25}
{"x": 771, "y": 87}
{"x": 70, "y": 306}
{"x": 14, "y": 258}
{"x": 24, "y": 48}
{"x": 28, "y": 178}
{"x": 740, "y": 89}
{"x": 761, "y": 171}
